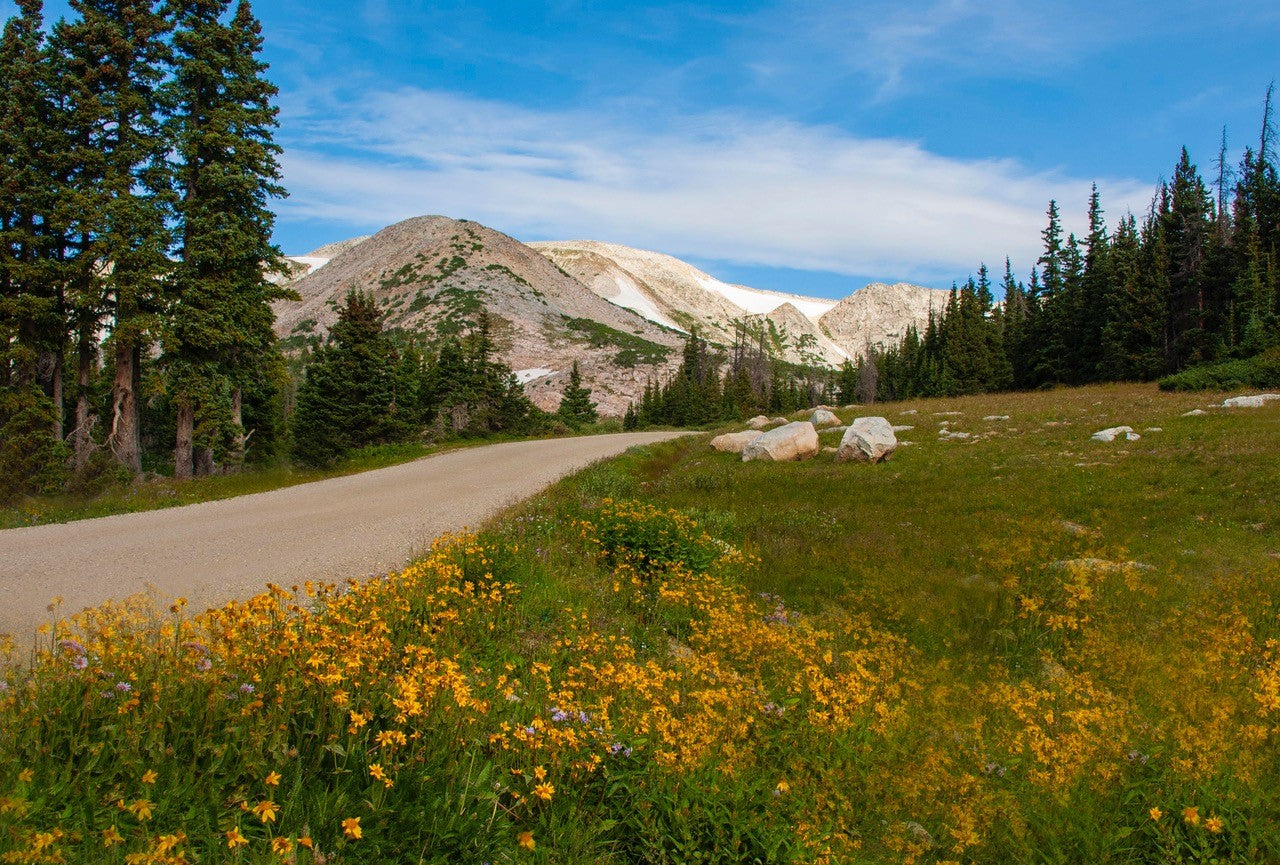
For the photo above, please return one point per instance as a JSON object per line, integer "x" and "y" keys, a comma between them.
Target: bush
{"x": 1260, "y": 371}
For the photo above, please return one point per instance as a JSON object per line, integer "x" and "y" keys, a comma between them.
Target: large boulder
{"x": 758, "y": 422}
{"x": 823, "y": 417}
{"x": 795, "y": 441}
{"x": 1257, "y": 400}
{"x": 868, "y": 440}
{"x": 735, "y": 443}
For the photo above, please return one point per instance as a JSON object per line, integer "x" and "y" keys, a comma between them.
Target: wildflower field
{"x": 1022, "y": 647}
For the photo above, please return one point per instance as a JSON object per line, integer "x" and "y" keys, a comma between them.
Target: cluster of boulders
{"x": 867, "y": 439}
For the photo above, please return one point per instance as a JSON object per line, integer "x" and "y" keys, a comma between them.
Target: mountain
{"x": 800, "y": 329}
{"x": 432, "y": 274}
{"x": 620, "y": 312}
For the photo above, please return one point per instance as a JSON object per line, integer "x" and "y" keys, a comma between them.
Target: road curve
{"x": 348, "y": 526}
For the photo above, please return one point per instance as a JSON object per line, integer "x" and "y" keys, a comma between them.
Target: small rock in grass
{"x": 902, "y": 427}
{"x": 1257, "y": 400}
{"x": 910, "y": 411}
{"x": 1111, "y": 433}
{"x": 758, "y": 422}
{"x": 1195, "y": 412}
{"x": 995, "y": 417}
{"x": 1153, "y": 429}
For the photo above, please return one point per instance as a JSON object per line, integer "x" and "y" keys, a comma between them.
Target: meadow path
{"x": 333, "y": 529}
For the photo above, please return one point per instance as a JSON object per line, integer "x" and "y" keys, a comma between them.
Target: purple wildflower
{"x": 79, "y": 662}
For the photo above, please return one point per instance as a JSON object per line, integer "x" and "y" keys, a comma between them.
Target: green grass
{"x": 1029, "y": 647}
{"x": 634, "y": 349}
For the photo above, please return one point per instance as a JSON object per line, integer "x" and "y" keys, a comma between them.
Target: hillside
{"x": 1017, "y": 647}
{"x": 433, "y": 274}
{"x": 803, "y": 329}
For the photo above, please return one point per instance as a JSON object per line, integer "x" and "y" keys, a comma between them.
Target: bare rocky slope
{"x": 433, "y": 274}
{"x": 801, "y": 329}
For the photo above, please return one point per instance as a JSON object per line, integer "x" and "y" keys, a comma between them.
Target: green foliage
{"x": 31, "y": 459}
{"x": 346, "y": 400}
{"x": 635, "y": 350}
{"x": 1262, "y": 371}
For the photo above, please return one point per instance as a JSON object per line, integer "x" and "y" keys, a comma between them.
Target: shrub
{"x": 1259, "y": 371}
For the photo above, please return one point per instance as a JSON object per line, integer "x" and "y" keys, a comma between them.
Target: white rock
{"x": 1195, "y": 412}
{"x": 758, "y": 422}
{"x": 868, "y": 439}
{"x": 1152, "y": 429}
{"x": 1132, "y": 436}
{"x": 823, "y": 417}
{"x": 779, "y": 420}
{"x": 1110, "y": 434}
{"x": 1257, "y": 400}
{"x": 735, "y": 443}
{"x": 949, "y": 435}
{"x": 794, "y": 441}
{"x": 910, "y": 411}
{"x": 994, "y": 417}
{"x": 901, "y": 427}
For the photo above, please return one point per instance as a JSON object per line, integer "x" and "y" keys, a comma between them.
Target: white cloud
{"x": 720, "y": 186}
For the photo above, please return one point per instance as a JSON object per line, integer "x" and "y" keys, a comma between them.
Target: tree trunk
{"x": 125, "y": 438}
{"x": 204, "y": 462}
{"x": 182, "y": 453}
{"x": 56, "y": 393}
{"x": 82, "y": 437}
{"x": 236, "y": 460}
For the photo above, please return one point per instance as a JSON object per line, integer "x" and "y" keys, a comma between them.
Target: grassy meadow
{"x": 1025, "y": 646}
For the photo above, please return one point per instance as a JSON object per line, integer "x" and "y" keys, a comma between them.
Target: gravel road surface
{"x": 213, "y": 552}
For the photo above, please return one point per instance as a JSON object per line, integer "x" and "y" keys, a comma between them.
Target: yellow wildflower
{"x": 111, "y": 836}
{"x": 526, "y": 840}
{"x": 1156, "y": 814}
{"x": 376, "y": 771}
{"x": 544, "y": 792}
{"x": 1214, "y": 824}
{"x": 26, "y": 775}
{"x": 142, "y": 809}
{"x": 235, "y": 839}
{"x": 149, "y": 777}
{"x": 266, "y": 811}
{"x": 281, "y": 846}
{"x": 351, "y": 828}
{"x": 1191, "y": 816}
{"x": 273, "y": 779}
{"x": 305, "y": 841}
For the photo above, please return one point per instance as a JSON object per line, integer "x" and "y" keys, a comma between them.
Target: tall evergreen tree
{"x": 114, "y": 57}
{"x": 221, "y": 120}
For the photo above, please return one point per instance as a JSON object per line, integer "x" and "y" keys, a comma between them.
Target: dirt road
{"x": 328, "y": 530}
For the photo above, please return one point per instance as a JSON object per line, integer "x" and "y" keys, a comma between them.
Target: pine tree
{"x": 345, "y": 400}
{"x": 576, "y": 408}
{"x": 113, "y": 58}
{"x": 1096, "y": 289}
{"x": 220, "y": 124}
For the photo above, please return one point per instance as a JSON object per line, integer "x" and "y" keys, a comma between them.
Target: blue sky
{"x": 796, "y": 145}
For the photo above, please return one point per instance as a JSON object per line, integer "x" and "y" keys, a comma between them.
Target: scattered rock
{"x": 1257, "y": 400}
{"x": 828, "y": 449}
{"x": 823, "y": 417}
{"x": 948, "y": 435}
{"x": 779, "y": 420}
{"x": 1195, "y": 412}
{"x": 758, "y": 422}
{"x": 1153, "y": 429}
{"x": 1111, "y": 433}
{"x": 902, "y": 428}
{"x": 994, "y": 417}
{"x": 794, "y": 441}
{"x": 735, "y": 443}
{"x": 910, "y": 411}
{"x": 903, "y": 444}
{"x": 868, "y": 439}
{"x": 947, "y": 413}
{"x": 1076, "y": 529}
